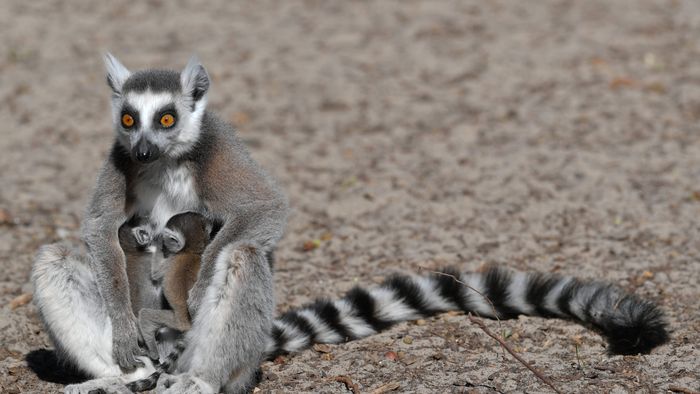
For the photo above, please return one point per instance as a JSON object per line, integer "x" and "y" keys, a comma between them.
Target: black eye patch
{"x": 131, "y": 112}
{"x": 162, "y": 121}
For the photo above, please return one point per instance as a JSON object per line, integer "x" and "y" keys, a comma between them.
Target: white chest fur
{"x": 164, "y": 191}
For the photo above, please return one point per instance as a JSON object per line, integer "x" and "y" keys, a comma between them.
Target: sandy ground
{"x": 551, "y": 135}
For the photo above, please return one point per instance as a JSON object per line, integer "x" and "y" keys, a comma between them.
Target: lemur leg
{"x": 74, "y": 314}
{"x": 72, "y": 310}
{"x": 230, "y": 330}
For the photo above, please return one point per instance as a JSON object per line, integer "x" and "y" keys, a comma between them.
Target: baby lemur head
{"x": 186, "y": 232}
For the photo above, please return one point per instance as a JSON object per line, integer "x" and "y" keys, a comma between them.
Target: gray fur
{"x": 204, "y": 168}
{"x": 184, "y": 240}
{"x": 155, "y": 80}
{"x": 141, "y": 253}
{"x": 77, "y": 320}
{"x": 150, "y": 321}
{"x": 236, "y": 313}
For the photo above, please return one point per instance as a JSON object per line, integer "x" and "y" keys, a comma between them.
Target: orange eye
{"x": 127, "y": 120}
{"x": 167, "y": 120}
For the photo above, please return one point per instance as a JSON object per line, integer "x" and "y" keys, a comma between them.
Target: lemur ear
{"x": 142, "y": 235}
{"x": 117, "y": 74}
{"x": 173, "y": 240}
{"x": 194, "y": 79}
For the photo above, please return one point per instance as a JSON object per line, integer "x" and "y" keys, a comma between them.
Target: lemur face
{"x": 157, "y": 113}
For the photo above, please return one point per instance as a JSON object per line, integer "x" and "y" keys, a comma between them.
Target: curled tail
{"x": 631, "y": 325}
{"x": 167, "y": 366}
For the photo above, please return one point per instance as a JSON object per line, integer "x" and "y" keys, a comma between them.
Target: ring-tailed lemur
{"x": 136, "y": 241}
{"x": 169, "y": 156}
{"x": 172, "y": 156}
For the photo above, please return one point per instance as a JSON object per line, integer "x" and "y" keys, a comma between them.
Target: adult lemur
{"x": 172, "y": 156}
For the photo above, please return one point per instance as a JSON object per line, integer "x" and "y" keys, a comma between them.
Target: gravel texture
{"x": 550, "y": 135}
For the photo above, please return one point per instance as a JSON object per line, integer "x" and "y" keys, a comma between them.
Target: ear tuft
{"x": 194, "y": 79}
{"x": 117, "y": 74}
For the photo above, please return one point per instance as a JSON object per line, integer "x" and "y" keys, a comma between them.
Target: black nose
{"x": 143, "y": 156}
{"x": 145, "y": 152}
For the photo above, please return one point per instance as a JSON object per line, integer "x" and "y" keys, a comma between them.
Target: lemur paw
{"x": 183, "y": 384}
{"x": 114, "y": 385}
{"x": 125, "y": 346}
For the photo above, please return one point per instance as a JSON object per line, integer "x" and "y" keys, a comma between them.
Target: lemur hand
{"x": 125, "y": 346}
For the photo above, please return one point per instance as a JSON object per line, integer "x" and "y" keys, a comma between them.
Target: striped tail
{"x": 167, "y": 366}
{"x": 630, "y": 325}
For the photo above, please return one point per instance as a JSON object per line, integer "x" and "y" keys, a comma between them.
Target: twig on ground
{"x": 507, "y": 347}
{"x": 493, "y": 307}
{"x": 607, "y": 368}
{"x": 385, "y": 388}
{"x": 348, "y": 383}
{"x": 20, "y": 300}
{"x": 679, "y": 389}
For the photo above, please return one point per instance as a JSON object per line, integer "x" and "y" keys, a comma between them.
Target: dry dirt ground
{"x": 551, "y": 135}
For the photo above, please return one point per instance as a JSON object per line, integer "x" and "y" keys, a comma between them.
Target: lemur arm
{"x": 104, "y": 216}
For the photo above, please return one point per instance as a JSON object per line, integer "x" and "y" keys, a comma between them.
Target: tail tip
{"x": 640, "y": 328}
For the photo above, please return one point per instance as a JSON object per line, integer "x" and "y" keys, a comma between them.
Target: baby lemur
{"x": 136, "y": 242}
{"x": 183, "y": 241}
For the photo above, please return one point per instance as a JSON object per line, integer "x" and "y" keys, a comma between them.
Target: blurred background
{"x": 553, "y": 135}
